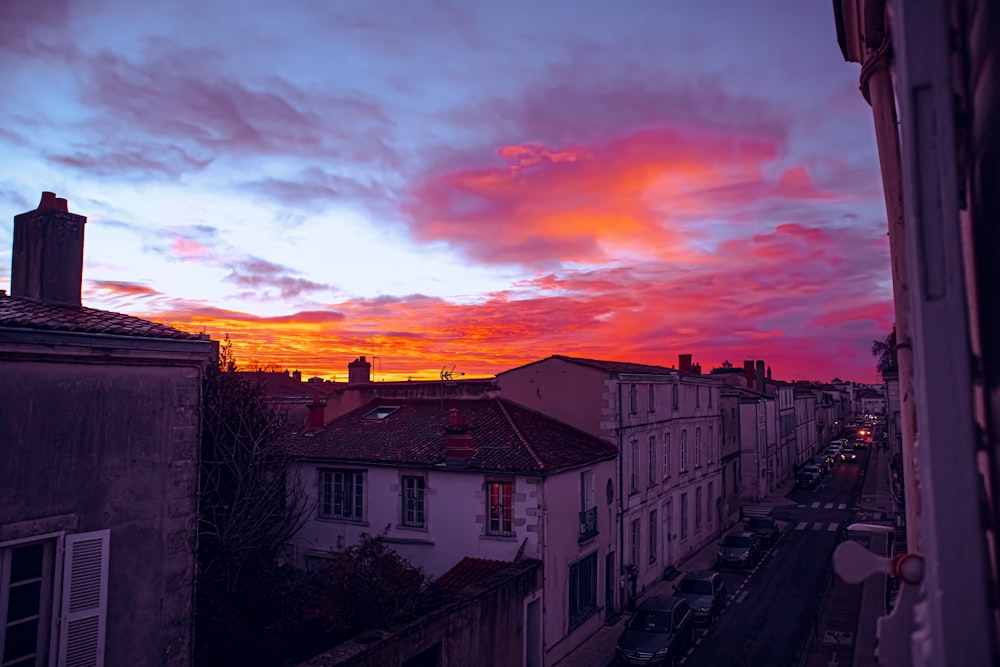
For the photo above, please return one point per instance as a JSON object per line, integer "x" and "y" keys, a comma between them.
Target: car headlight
{"x": 704, "y": 610}
{"x": 744, "y": 554}
{"x": 662, "y": 652}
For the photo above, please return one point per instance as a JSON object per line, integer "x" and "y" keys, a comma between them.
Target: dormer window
{"x": 381, "y": 412}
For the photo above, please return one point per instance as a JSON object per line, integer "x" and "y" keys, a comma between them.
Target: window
{"x": 697, "y": 397}
{"x": 31, "y": 605}
{"x": 413, "y": 501}
{"x": 675, "y": 395}
{"x": 381, "y": 412}
{"x": 651, "y": 535}
{"x": 634, "y": 543}
{"x": 666, "y": 455}
{"x": 633, "y": 398}
{"x": 697, "y": 447}
{"x": 341, "y": 494}
{"x": 582, "y": 589}
{"x": 652, "y": 460}
{"x": 500, "y": 514}
{"x": 587, "y": 490}
{"x": 710, "y": 452}
{"x": 684, "y": 515}
{"x": 651, "y": 398}
{"x": 684, "y": 450}
{"x": 697, "y": 508}
{"x": 633, "y": 471}
{"x": 711, "y": 502}
{"x": 709, "y": 397}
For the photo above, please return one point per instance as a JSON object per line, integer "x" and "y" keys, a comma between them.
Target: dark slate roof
{"x": 612, "y": 366}
{"x": 30, "y": 314}
{"x": 469, "y": 571}
{"x": 506, "y": 437}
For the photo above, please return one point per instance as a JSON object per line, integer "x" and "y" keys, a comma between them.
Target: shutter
{"x": 84, "y": 600}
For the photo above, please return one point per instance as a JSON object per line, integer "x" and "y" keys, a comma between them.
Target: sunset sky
{"x": 460, "y": 183}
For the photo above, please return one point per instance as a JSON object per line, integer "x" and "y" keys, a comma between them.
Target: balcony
{"x": 588, "y": 524}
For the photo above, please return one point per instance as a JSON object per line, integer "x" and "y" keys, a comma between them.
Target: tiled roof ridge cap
{"x": 520, "y": 436}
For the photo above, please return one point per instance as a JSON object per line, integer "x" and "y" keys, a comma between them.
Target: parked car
{"x": 660, "y": 631}
{"x": 813, "y": 469}
{"x": 824, "y": 463}
{"x": 806, "y": 480}
{"x": 765, "y": 529}
{"x": 848, "y": 454}
{"x": 739, "y": 550}
{"x": 705, "y": 592}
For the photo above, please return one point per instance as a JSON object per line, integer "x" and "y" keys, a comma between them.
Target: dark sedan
{"x": 659, "y": 633}
{"x": 766, "y": 530}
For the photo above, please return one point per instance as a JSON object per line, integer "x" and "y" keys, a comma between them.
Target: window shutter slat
{"x": 84, "y": 600}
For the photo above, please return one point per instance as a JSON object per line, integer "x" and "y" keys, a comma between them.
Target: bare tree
{"x": 250, "y": 504}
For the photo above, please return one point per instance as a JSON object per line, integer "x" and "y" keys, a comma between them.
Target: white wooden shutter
{"x": 84, "y": 600}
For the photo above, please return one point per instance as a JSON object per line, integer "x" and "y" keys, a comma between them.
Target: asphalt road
{"x": 773, "y": 606}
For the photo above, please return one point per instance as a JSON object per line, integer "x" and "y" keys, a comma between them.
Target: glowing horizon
{"x": 477, "y": 186}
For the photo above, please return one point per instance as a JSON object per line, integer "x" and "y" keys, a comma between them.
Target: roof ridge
{"x": 520, "y": 436}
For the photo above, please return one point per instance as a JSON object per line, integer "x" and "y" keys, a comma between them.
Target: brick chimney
{"x": 359, "y": 371}
{"x": 696, "y": 369}
{"x": 47, "y": 264}
{"x": 759, "y": 378}
{"x": 297, "y": 376}
{"x": 748, "y": 373}
{"x": 458, "y": 447}
{"x": 684, "y": 363}
{"x": 316, "y": 416}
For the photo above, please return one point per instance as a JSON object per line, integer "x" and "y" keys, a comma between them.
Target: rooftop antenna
{"x": 449, "y": 373}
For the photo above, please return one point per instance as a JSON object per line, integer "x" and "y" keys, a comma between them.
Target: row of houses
{"x": 609, "y": 473}
{"x": 594, "y": 477}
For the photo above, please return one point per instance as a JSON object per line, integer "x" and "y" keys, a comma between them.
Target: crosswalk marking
{"x": 818, "y": 525}
{"x": 801, "y": 526}
{"x": 842, "y": 506}
{"x": 742, "y": 596}
{"x": 832, "y": 527}
{"x": 828, "y": 506}
{"x": 815, "y": 505}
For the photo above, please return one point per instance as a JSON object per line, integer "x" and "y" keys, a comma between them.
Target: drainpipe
{"x": 621, "y": 507}
{"x": 876, "y": 86}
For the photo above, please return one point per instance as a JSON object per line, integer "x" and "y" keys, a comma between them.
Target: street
{"x": 773, "y": 607}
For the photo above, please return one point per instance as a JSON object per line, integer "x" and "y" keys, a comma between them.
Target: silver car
{"x": 705, "y": 592}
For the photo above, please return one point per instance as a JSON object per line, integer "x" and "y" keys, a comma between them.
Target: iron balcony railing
{"x": 588, "y": 524}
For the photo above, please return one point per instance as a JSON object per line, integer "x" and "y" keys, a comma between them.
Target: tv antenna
{"x": 449, "y": 373}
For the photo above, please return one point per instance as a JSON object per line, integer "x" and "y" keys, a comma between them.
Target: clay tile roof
{"x": 467, "y": 572}
{"x": 506, "y": 437}
{"x": 614, "y": 366}
{"x": 30, "y": 314}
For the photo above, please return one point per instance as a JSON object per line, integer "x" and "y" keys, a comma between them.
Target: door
{"x": 610, "y": 611}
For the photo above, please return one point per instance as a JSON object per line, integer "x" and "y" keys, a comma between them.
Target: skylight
{"x": 381, "y": 412}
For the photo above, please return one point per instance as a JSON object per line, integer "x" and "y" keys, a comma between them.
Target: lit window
{"x": 500, "y": 511}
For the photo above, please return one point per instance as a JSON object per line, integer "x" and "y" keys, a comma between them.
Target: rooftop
{"x": 24, "y": 313}
{"x": 505, "y": 436}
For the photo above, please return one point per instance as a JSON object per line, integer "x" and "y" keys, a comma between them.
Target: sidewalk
{"x": 599, "y": 650}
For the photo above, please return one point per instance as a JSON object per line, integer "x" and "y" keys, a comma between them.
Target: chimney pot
{"x": 316, "y": 416}
{"x": 458, "y": 446}
{"x": 684, "y": 363}
{"x": 47, "y": 261}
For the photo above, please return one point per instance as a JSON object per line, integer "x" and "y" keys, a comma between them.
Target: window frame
{"x": 504, "y": 511}
{"x": 666, "y": 455}
{"x": 697, "y": 447}
{"x": 326, "y": 507}
{"x": 635, "y": 542}
{"x": 651, "y": 398}
{"x": 651, "y": 537}
{"x": 697, "y": 507}
{"x": 419, "y": 499}
{"x": 651, "y": 453}
{"x": 683, "y": 450}
{"x": 684, "y": 516}
{"x": 583, "y": 571}
{"x": 633, "y": 398}
{"x": 633, "y": 468}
